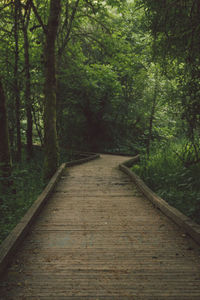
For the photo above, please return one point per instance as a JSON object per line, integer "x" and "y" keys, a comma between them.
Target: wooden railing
{"x": 180, "y": 219}
{"x": 11, "y": 243}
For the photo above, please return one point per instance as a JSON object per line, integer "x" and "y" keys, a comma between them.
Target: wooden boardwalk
{"x": 98, "y": 238}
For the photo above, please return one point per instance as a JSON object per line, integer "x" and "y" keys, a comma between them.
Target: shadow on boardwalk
{"x": 98, "y": 238}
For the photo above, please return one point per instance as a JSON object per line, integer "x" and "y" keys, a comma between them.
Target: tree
{"x": 16, "y": 78}
{"x": 50, "y": 131}
{"x": 175, "y": 27}
{"x": 152, "y": 113}
{"x": 5, "y": 158}
{"x": 25, "y": 19}
{"x": 102, "y": 78}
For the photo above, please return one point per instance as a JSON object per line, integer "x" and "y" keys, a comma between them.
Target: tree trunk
{"x": 149, "y": 139}
{"x": 153, "y": 108}
{"x": 5, "y": 157}
{"x": 29, "y": 129}
{"x": 38, "y": 127}
{"x": 16, "y": 83}
{"x": 50, "y": 132}
{"x": 66, "y": 28}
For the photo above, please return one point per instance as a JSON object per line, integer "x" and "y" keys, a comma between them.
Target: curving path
{"x": 99, "y": 238}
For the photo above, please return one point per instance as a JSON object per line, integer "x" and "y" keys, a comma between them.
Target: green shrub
{"x": 27, "y": 178}
{"x": 27, "y": 184}
{"x": 165, "y": 173}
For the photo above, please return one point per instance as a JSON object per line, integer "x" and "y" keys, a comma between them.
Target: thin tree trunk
{"x": 152, "y": 115}
{"x": 151, "y": 126}
{"x": 67, "y": 29}
{"x": 29, "y": 129}
{"x": 16, "y": 83}
{"x": 38, "y": 126}
{"x": 5, "y": 157}
{"x": 50, "y": 132}
{"x": 11, "y": 106}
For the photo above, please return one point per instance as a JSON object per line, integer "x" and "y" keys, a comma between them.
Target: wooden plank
{"x": 10, "y": 244}
{"x": 98, "y": 238}
{"x": 179, "y": 218}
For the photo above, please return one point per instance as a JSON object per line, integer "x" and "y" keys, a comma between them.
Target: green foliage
{"x": 176, "y": 32}
{"x": 27, "y": 184}
{"x": 165, "y": 173}
{"x": 127, "y": 81}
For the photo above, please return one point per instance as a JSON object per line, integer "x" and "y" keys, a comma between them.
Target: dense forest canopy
{"x": 91, "y": 75}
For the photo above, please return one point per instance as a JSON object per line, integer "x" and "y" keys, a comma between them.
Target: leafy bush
{"x": 27, "y": 184}
{"x": 27, "y": 178}
{"x": 165, "y": 173}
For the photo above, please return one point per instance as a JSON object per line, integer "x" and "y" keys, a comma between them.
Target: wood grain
{"x": 98, "y": 238}
{"x": 179, "y": 218}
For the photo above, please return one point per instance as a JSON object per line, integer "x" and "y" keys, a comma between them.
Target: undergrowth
{"x": 165, "y": 173}
{"x": 27, "y": 178}
{"x": 27, "y": 185}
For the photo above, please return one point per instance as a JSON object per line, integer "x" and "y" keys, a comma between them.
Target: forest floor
{"x": 99, "y": 238}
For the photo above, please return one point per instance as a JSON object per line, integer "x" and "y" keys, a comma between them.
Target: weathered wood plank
{"x": 183, "y": 221}
{"x": 9, "y": 246}
{"x": 99, "y": 238}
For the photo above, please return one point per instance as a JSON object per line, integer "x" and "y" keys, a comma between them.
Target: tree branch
{"x": 91, "y": 6}
{"x": 60, "y": 51}
{"x": 6, "y": 5}
{"x": 97, "y": 21}
{"x": 38, "y": 16}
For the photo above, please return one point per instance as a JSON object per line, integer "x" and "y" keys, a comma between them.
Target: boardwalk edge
{"x": 189, "y": 226}
{"x": 91, "y": 156}
{"x": 10, "y": 244}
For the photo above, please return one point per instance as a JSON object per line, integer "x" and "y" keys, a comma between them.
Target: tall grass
{"x": 165, "y": 173}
